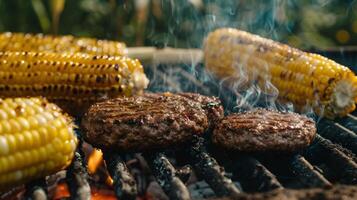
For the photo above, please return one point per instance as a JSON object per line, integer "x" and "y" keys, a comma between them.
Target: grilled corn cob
{"x": 305, "y": 79}
{"x": 74, "y": 81}
{"x": 70, "y": 44}
{"x": 36, "y": 140}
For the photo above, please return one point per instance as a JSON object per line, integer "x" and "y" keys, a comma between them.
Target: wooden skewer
{"x": 168, "y": 55}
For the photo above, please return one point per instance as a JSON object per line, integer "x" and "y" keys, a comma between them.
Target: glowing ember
{"x": 95, "y": 160}
{"x": 109, "y": 181}
{"x": 61, "y": 192}
{"x": 97, "y": 194}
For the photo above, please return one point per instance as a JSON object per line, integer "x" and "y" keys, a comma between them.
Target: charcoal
{"x": 123, "y": 182}
{"x": 36, "y": 190}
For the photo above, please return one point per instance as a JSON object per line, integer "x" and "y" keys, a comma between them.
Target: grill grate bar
{"x": 254, "y": 176}
{"x": 36, "y": 190}
{"x": 208, "y": 168}
{"x": 338, "y": 133}
{"x": 343, "y": 166}
{"x": 349, "y": 122}
{"x": 165, "y": 174}
{"x": 77, "y": 177}
{"x": 353, "y": 117}
{"x": 123, "y": 182}
{"x": 307, "y": 174}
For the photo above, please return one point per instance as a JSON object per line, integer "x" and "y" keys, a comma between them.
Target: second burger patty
{"x": 148, "y": 121}
{"x": 264, "y": 130}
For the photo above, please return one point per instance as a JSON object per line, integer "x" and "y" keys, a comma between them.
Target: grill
{"x": 329, "y": 160}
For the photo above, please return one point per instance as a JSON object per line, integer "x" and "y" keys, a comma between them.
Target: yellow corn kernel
{"x": 28, "y": 152}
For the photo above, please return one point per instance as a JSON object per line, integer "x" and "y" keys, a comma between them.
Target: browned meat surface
{"x": 264, "y": 130}
{"x": 144, "y": 122}
{"x": 212, "y": 106}
{"x": 339, "y": 192}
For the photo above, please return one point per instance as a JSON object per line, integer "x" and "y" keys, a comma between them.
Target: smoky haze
{"x": 191, "y": 15}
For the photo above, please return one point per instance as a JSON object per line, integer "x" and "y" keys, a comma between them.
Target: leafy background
{"x": 184, "y": 23}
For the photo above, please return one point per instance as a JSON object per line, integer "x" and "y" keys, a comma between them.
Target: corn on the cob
{"x": 74, "y": 81}
{"x": 67, "y": 43}
{"x": 36, "y": 140}
{"x": 305, "y": 79}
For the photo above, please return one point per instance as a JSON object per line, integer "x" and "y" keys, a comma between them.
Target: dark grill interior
{"x": 329, "y": 160}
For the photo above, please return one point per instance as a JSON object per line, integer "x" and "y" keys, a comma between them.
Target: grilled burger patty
{"x": 212, "y": 106}
{"x": 264, "y": 130}
{"x": 144, "y": 122}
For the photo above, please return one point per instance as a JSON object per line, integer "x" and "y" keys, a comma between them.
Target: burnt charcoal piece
{"x": 184, "y": 173}
{"x": 264, "y": 130}
{"x": 77, "y": 178}
{"x": 208, "y": 169}
{"x": 146, "y": 122}
{"x": 124, "y": 183}
{"x": 165, "y": 175}
{"x": 36, "y": 190}
{"x": 253, "y": 176}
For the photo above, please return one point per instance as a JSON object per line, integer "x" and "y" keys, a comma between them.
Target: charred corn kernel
{"x": 71, "y": 80}
{"x": 28, "y": 151}
{"x": 305, "y": 79}
{"x": 67, "y": 43}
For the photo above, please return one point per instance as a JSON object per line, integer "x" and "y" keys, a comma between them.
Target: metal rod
{"x": 123, "y": 182}
{"x": 253, "y": 175}
{"x": 343, "y": 166}
{"x": 165, "y": 175}
{"x": 352, "y": 117}
{"x": 36, "y": 190}
{"x": 338, "y": 134}
{"x": 77, "y": 178}
{"x": 307, "y": 174}
{"x": 349, "y": 122}
{"x": 208, "y": 168}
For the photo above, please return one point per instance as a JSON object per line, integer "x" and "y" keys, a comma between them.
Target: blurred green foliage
{"x": 184, "y": 23}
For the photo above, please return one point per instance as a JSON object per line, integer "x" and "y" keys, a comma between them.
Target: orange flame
{"x": 95, "y": 160}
